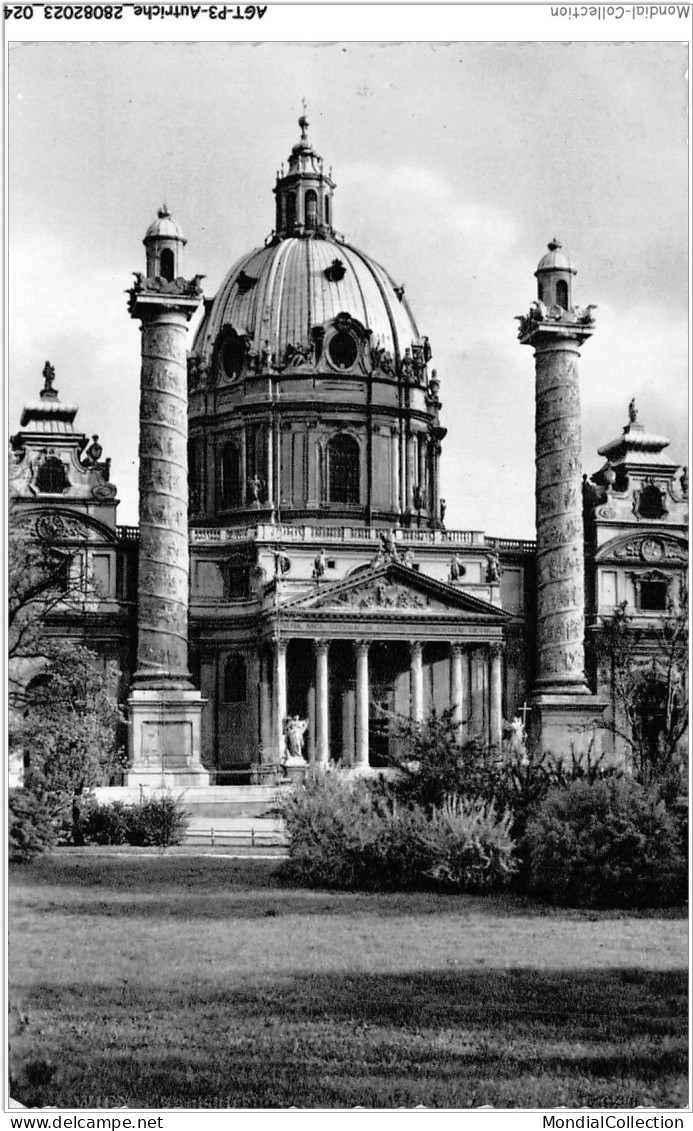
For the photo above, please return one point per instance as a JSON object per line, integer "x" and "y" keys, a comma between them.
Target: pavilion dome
{"x": 164, "y": 227}
{"x": 555, "y": 259}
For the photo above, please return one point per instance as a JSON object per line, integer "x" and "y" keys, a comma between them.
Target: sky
{"x": 455, "y": 164}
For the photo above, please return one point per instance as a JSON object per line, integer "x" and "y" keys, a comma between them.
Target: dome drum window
{"x": 344, "y": 344}
{"x": 343, "y": 470}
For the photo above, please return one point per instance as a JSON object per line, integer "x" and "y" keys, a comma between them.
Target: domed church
{"x": 293, "y": 587}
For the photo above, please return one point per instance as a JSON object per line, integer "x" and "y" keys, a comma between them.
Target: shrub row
{"x": 158, "y": 821}
{"x": 341, "y": 833}
{"x": 573, "y": 833}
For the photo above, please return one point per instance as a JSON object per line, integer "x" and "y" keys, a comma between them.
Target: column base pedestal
{"x": 565, "y": 722}
{"x": 164, "y": 739}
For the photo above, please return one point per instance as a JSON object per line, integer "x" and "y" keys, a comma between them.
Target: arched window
{"x": 290, "y": 211}
{"x": 327, "y": 210}
{"x": 343, "y": 462}
{"x": 311, "y": 209}
{"x": 235, "y": 684}
{"x": 50, "y": 476}
{"x": 562, "y": 293}
{"x": 230, "y": 476}
{"x": 166, "y": 264}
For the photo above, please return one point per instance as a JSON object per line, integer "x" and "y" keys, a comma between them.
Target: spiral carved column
{"x": 165, "y": 709}
{"x": 564, "y": 711}
{"x": 162, "y": 583}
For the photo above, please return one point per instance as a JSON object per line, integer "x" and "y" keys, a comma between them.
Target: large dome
{"x": 275, "y": 295}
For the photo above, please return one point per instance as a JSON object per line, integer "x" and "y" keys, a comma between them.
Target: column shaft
{"x": 279, "y": 698}
{"x": 496, "y": 698}
{"x": 348, "y": 722}
{"x": 265, "y": 710}
{"x": 362, "y": 704}
{"x": 457, "y": 686}
{"x": 322, "y": 736}
{"x": 416, "y": 675}
{"x": 477, "y": 695}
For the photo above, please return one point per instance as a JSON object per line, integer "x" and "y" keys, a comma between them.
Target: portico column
{"x": 477, "y": 695}
{"x": 457, "y": 687}
{"x": 348, "y": 706}
{"x": 496, "y": 711}
{"x": 416, "y": 671}
{"x": 279, "y": 698}
{"x": 322, "y": 740}
{"x": 362, "y": 703}
{"x": 265, "y": 710}
{"x": 310, "y": 732}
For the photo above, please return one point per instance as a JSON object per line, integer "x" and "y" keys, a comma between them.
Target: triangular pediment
{"x": 396, "y": 589}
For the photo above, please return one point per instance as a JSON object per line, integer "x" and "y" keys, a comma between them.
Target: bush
{"x": 159, "y": 821}
{"x": 347, "y": 834}
{"x": 607, "y": 843}
{"x": 106, "y": 824}
{"x": 31, "y": 826}
{"x": 332, "y": 825}
{"x": 473, "y": 846}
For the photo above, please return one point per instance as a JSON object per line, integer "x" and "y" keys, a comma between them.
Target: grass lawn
{"x": 178, "y": 982}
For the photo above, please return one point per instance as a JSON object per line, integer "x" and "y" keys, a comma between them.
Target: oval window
{"x": 343, "y": 350}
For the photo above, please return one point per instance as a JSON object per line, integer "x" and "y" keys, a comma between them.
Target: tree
{"x": 646, "y": 671}
{"x": 40, "y": 581}
{"x": 68, "y": 731}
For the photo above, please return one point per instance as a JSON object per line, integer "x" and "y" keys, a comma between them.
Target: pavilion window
{"x": 311, "y": 209}
{"x": 343, "y": 459}
{"x": 290, "y": 211}
{"x": 166, "y": 264}
{"x": 562, "y": 293}
{"x": 327, "y": 210}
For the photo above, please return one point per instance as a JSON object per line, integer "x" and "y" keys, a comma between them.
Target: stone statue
{"x": 684, "y": 480}
{"x": 282, "y": 562}
{"x": 427, "y": 351}
{"x": 418, "y": 497}
{"x": 386, "y": 362}
{"x": 493, "y": 569}
{"x": 266, "y": 360}
{"x": 254, "y": 488}
{"x": 294, "y": 729}
{"x": 518, "y": 738}
{"x": 407, "y": 366}
{"x": 632, "y": 412}
{"x": 319, "y": 564}
{"x": 457, "y": 569}
{"x": 48, "y": 377}
{"x": 408, "y": 559}
{"x": 443, "y": 508}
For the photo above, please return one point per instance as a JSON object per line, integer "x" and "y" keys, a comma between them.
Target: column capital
{"x": 457, "y": 648}
{"x": 280, "y": 643}
{"x": 321, "y": 646}
{"x": 416, "y": 646}
{"x": 496, "y": 648}
{"x": 362, "y": 645}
